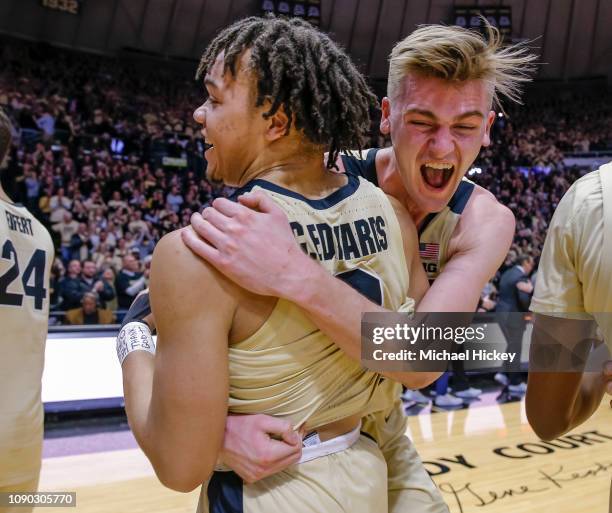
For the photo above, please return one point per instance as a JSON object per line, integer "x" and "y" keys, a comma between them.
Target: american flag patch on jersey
{"x": 429, "y": 250}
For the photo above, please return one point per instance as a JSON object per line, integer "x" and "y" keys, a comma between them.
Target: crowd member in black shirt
{"x": 129, "y": 282}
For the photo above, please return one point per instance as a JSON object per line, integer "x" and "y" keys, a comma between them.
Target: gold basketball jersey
{"x": 288, "y": 368}
{"x": 26, "y": 255}
{"x": 437, "y": 228}
{"x": 575, "y": 271}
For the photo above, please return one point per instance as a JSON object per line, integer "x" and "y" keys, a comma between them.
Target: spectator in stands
{"x": 137, "y": 225}
{"x": 90, "y": 282}
{"x": 174, "y": 199}
{"x": 44, "y": 205}
{"x": 59, "y": 206}
{"x": 66, "y": 229}
{"x": 70, "y": 287}
{"x": 80, "y": 244}
{"x": 108, "y": 275}
{"x": 89, "y": 313}
{"x": 488, "y": 298}
{"x": 515, "y": 289}
{"x": 129, "y": 282}
{"x": 117, "y": 201}
{"x": 32, "y": 188}
{"x": 57, "y": 274}
{"x": 46, "y": 122}
{"x": 147, "y": 245}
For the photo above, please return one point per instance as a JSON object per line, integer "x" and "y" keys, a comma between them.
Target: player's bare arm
{"x": 478, "y": 248}
{"x": 557, "y": 402}
{"x": 176, "y": 400}
{"x": 251, "y": 242}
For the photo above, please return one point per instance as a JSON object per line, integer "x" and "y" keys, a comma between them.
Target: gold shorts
{"x": 350, "y": 481}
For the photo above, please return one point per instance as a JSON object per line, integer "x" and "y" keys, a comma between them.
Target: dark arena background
{"x": 107, "y": 156}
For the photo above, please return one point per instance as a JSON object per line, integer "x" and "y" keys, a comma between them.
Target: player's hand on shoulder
{"x": 250, "y": 242}
{"x": 257, "y": 446}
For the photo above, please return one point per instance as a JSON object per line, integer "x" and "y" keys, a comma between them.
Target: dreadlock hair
{"x": 301, "y": 69}
{"x": 5, "y": 136}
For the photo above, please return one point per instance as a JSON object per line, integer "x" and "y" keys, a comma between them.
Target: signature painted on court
{"x": 469, "y": 495}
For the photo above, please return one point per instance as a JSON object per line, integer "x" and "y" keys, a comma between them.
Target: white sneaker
{"x": 521, "y": 388}
{"x": 502, "y": 379}
{"x": 469, "y": 393}
{"x": 447, "y": 400}
{"x": 415, "y": 396}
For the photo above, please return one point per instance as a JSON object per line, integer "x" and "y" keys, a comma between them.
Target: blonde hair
{"x": 457, "y": 54}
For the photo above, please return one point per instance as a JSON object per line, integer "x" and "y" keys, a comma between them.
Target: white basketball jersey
{"x": 26, "y": 255}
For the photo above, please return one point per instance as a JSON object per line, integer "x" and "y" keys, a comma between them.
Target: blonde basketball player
{"x": 443, "y": 84}
{"x": 280, "y": 93}
{"x": 573, "y": 296}
{"x": 26, "y": 255}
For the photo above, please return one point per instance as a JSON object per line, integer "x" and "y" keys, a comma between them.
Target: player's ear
{"x": 486, "y": 137}
{"x": 277, "y": 125}
{"x": 385, "y": 123}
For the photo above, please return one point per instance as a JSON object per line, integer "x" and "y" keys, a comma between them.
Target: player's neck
{"x": 390, "y": 181}
{"x": 305, "y": 174}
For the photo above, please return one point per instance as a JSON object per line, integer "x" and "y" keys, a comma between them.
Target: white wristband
{"x": 134, "y": 336}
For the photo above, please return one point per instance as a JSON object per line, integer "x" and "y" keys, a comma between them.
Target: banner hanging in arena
{"x": 307, "y": 9}
{"x": 498, "y": 16}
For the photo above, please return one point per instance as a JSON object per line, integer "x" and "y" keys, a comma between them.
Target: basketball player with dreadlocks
{"x": 26, "y": 255}
{"x": 269, "y": 124}
{"x": 443, "y": 84}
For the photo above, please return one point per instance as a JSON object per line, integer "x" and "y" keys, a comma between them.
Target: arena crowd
{"x": 109, "y": 158}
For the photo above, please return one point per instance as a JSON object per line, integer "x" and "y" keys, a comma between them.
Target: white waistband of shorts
{"x": 331, "y": 446}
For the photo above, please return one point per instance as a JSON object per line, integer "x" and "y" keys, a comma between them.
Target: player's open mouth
{"x": 437, "y": 175}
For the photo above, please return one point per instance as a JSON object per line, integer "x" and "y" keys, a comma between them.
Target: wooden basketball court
{"x": 484, "y": 459}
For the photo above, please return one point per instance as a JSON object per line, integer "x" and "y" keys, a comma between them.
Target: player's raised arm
{"x": 176, "y": 400}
